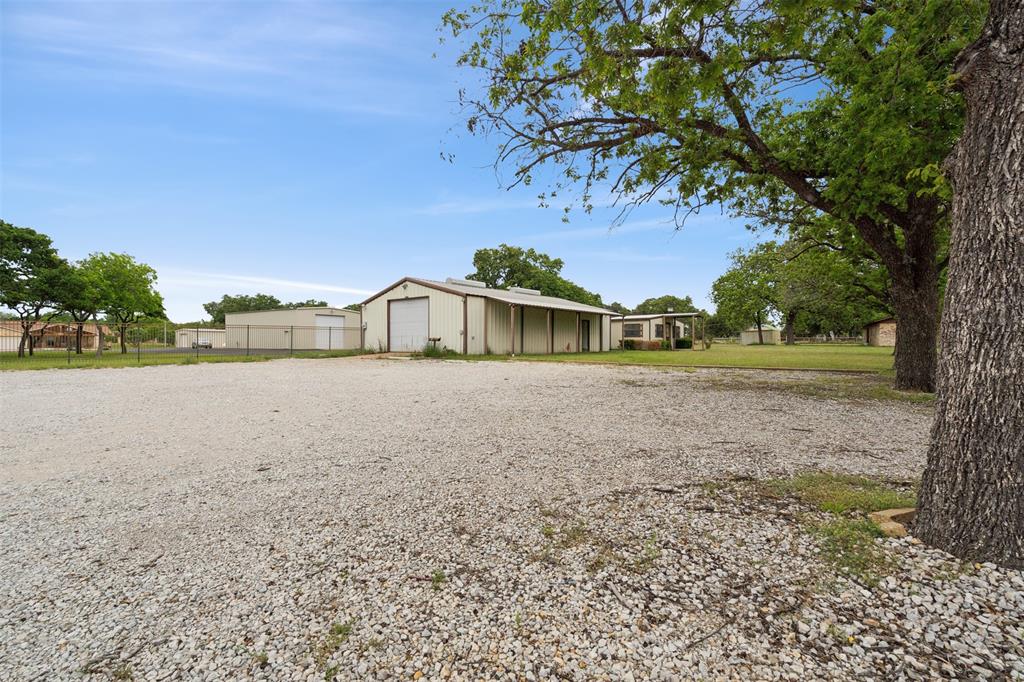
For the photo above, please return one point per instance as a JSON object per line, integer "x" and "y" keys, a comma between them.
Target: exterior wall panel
{"x": 565, "y": 331}
{"x": 498, "y": 328}
{"x": 535, "y": 330}
{"x": 475, "y": 311}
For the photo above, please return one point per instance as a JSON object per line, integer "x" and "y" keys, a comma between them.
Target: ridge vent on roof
{"x": 466, "y": 282}
{"x": 524, "y": 290}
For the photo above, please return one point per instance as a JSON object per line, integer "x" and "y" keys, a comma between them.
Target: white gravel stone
{"x": 374, "y": 519}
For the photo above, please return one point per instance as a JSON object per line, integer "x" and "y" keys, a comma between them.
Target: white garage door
{"x": 408, "y": 330}
{"x": 330, "y": 334}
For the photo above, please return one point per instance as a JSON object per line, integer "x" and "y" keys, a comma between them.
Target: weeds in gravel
{"x": 336, "y": 636}
{"x": 331, "y": 673}
{"x": 648, "y": 554}
{"x": 849, "y": 545}
{"x": 122, "y": 672}
{"x": 842, "y": 493}
{"x": 437, "y": 579}
{"x": 261, "y": 658}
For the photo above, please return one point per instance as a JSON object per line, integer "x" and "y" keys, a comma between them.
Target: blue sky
{"x": 292, "y": 149}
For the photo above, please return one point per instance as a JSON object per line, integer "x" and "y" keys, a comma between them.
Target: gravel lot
{"x": 382, "y": 519}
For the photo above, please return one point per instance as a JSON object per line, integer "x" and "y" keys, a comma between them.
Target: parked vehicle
{"x": 202, "y": 343}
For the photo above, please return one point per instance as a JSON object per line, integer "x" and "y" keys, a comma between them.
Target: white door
{"x": 408, "y": 326}
{"x": 330, "y": 334}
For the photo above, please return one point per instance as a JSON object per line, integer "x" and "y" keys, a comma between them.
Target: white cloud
{"x": 470, "y": 206}
{"x": 171, "y": 277}
{"x": 307, "y": 54}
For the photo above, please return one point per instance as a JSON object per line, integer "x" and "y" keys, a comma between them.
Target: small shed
{"x": 306, "y": 328}
{"x": 881, "y": 332}
{"x": 771, "y": 335}
{"x": 200, "y": 337}
{"x": 471, "y": 318}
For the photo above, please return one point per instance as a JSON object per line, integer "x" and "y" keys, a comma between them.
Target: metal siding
{"x": 475, "y": 311}
{"x": 498, "y": 328}
{"x": 445, "y": 315}
{"x": 606, "y": 332}
{"x": 565, "y": 331}
{"x": 535, "y": 328}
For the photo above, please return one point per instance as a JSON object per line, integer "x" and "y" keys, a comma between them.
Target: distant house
{"x": 50, "y": 335}
{"x": 655, "y": 327}
{"x": 881, "y": 332}
{"x": 771, "y": 336}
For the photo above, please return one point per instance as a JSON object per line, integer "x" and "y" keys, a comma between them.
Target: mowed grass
{"x": 801, "y": 356}
{"x": 56, "y": 360}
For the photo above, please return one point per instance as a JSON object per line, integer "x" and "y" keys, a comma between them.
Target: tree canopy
{"x": 513, "y": 266}
{"x": 243, "y": 303}
{"x": 834, "y": 109}
{"x": 662, "y": 304}
{"x": 33, "y": 277}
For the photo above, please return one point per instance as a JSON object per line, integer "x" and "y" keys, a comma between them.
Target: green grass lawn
{"x": 112, "y": 358}
{"x": 802, "y": 356}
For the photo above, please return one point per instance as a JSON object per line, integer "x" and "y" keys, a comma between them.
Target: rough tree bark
{"x": 791, "y": 328}
{"x": 760, "y": 334}
{"x": 972, "y": 495}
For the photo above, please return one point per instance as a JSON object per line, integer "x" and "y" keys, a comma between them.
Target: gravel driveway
{"x": 362, "y": 518}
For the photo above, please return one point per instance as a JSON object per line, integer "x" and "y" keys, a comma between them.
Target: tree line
{"x": 38, "y": 285}
{"x": 810, "y": 290}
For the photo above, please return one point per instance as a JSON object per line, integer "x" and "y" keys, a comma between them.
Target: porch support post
{"x": 551, "y": 333}
{"x": 693, "y": 333}
{"x": 512, "y": 327}
{"x": 577, "y": 332}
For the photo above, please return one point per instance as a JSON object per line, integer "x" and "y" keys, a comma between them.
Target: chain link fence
{"x": 56, "y": 344}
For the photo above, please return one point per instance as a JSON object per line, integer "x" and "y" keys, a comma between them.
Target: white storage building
{"x": 310, "y": 328}
{"x": 470, "y": 318}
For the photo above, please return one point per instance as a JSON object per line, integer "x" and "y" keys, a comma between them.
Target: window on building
{"x": 633, "y": 331}
{"x": 659, "y": 331}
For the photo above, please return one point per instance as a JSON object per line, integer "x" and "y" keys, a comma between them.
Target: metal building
{"x": 470, "y": 318}
{"x": 312, "y": 328}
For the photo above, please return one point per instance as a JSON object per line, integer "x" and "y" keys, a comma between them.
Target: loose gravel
{"x": 384, "y": 519}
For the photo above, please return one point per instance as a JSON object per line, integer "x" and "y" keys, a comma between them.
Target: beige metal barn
{"x": 470, "y": 318}
{"x": 308, "y": 328}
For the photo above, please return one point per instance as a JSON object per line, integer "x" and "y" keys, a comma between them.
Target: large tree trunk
{"x": 791, "y": 328}
{"x": 124, "y": 345}
{"x": 78, "y": 339}
{"x": 916, "y": 303}
{"x": 760, "y": 334}
{"x": 972, "y": 495}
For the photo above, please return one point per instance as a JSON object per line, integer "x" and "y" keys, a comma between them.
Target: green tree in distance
{"x": 662, "y": 304}
{"x": 839, "y": 107}
{"x": 127, "y": 290}
{"x": 746, "y": 294}
{"x": 83, "y": 299}
{"x": 512, "y": 266}
{"x": 245, "y": 303}
{"x": 33, "y": 278}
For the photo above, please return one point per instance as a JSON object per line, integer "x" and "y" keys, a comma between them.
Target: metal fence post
{"x": 138, "y": 346}
{"x": 330, "y": 333}
{"x": 291, "y": 340}
{"x": 246, "y": 339}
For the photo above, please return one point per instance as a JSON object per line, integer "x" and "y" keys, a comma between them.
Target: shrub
{"x": 629, "y": 344}
{"x": 434, "y": 351}
{"x": 652, "y": 345}
{"x": 684, "y": 343}
{"x": 666, "y": 344}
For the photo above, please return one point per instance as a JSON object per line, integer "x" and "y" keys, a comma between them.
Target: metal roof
{"x": 518, "y": 297}
{"x": 654, "y": 316}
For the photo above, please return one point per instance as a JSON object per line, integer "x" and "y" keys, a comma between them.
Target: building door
{"x": 330, "y": 334}
{"x": 585, "y": 336}
{"x": 408, "y": 324}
